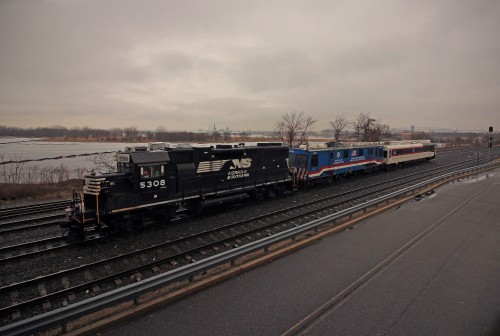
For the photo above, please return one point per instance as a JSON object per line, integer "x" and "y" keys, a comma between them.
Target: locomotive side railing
{"x": 62, "y": 316}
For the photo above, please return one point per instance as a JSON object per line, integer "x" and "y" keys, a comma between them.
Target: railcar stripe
{"x": 342, "y": 166}
{"x": 210, "y": 166}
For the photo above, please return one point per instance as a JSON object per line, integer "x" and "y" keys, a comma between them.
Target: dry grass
{"x": 10, "y": 193}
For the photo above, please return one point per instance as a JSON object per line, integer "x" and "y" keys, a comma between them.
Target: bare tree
{"x": 244, "y": 135}
{"x": 308, "y": 130}
{"x": 86, "y": 132}
{"x": 339, "y": 125}
{"x": 11, "y": 170}
{"x": 294, "y": 128}
{"x": 360, "y": 126}
{"x": 368, "y": 129}
{"x": 419, "y": 136}
{"x": 131, "y": 133}
{"x": 32, "y": 174}
{"x": 378, "y": 132}
{"x": 161, "y": 133}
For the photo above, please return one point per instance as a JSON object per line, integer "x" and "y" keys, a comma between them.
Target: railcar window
{"x": 346, "y": 153}
{"x": 152, "y": 171}
{"x": 314, "y": 160}
{"x": 124, "y": 167}
{"x": 428, "y": 148}
{"x": 156, "y": 171}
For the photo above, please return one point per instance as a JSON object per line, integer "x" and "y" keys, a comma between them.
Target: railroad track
{"x": 12, "y": 253}
{"x": 24, "y": 210}
{"x": 18, "y": 251}
{"x": 67, "y": 286}
{"x": 22, "y": 224}
{"x": 30, "y": 228}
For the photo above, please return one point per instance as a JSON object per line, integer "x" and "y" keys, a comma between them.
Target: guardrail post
{"x": 64, "y": 327}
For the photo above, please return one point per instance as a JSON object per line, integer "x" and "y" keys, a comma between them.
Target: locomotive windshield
{"x": 300, "y": 160}
{"x": 125, "y": 168}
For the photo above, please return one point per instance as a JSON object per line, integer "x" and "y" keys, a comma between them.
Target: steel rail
{"x": 10, "y": 227}
{"x": 33, "y": 208}
{"x": 6, "y": 256}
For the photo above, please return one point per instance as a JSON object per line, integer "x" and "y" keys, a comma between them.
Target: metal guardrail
{"x": 60, "y": 317}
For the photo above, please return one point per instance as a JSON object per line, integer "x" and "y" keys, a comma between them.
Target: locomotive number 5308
{"x": 152, "y": 184}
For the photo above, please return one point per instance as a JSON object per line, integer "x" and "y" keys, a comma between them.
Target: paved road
{"x": 430, "y": 267}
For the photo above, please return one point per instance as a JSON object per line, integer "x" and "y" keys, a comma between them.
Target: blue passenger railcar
{"x": 319, "y": 165}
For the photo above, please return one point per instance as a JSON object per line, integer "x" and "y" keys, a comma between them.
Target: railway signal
{"x": 490, "y": 137}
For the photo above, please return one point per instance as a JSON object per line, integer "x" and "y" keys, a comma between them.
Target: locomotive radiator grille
{"x": 93, "y": 185}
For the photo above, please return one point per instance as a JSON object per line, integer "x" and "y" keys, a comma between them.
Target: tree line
{"x": 129, "y": 134}
{"x": 295, "y": 128}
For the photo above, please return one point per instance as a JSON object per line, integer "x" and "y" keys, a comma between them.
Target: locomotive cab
{"x": 109, "y": 198}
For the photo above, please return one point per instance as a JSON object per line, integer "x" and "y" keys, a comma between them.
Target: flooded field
{"x": 44, "y": 161}
{"x": 32, "y": 149}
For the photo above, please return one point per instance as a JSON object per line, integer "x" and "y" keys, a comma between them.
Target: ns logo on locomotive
{"x": 238, "y": 173}
{"x": 152, "y": 183}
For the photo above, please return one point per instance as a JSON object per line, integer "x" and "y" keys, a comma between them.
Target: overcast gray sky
{"x": 189, "y": 64}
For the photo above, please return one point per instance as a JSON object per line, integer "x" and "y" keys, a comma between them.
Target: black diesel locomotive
{"x": 152, "y": 183}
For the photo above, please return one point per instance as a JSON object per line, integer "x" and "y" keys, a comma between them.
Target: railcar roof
{"x": 407, "y": 145}
{"x": 149, "y": 157}
{"x": 329, "y": 149}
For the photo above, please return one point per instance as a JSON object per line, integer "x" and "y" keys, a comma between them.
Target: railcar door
{"x": 314, "y": 162}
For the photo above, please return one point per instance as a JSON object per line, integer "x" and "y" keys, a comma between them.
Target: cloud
{"x": 193, "y": 63}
